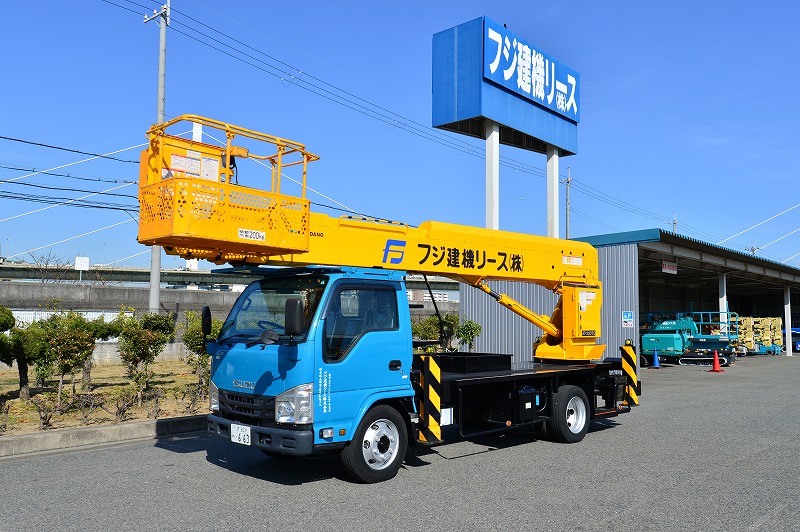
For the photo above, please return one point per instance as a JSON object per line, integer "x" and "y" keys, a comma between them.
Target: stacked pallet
{"x": 761, "y": 334}
{"x": 776, "y": 328}
{"x": 746, "y": 334}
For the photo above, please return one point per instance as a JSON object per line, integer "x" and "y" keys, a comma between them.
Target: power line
{"x": 71, "y": 238}
{"x": 76, "y": 162}
{"x": 63, "y": 189}
{"x": 125, "y": 258}
{"x": 12, "y": 139}
{"x": 595, "y": 220}
{"x": 56, "y": 201}
{"x": 759, "y": 223}
{"x": 342, "y": 207}
{"x": 69, "y": 176}
{"x": 123, "y": 7}
{"x": 54, "y": 204}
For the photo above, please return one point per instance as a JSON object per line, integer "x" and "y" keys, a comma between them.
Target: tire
{"x": 378, "y": 447}
{"x": 570, "y": 415}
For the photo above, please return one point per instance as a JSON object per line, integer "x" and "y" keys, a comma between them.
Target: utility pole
{"x": 674, "y": 222}
{"x": 155, "y": 260}
{"x": 569, "y": 180}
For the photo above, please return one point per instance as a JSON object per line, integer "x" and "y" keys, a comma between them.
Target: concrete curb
{"x": 61, "y": 439}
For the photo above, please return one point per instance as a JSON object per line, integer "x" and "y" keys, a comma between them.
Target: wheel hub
{"x": 576, "y": 415}
{"x": 380, "y": 444}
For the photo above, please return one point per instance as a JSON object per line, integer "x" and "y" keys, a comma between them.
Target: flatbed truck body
{"x": 318, "y": 358}
{"x": 312, "y": 393}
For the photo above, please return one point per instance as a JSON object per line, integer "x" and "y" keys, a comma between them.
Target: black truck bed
{"x": 516, "y": 370}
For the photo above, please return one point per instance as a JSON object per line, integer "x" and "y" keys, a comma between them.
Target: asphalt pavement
{"x": 704, "y": 451}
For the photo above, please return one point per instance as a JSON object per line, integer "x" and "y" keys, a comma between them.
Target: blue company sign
{"x": 520, "y": 67}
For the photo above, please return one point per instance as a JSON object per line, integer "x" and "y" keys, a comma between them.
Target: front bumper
{"x": 286, "y": 441}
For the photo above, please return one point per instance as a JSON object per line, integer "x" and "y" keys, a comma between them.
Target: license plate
{"x": 240, "y": 434}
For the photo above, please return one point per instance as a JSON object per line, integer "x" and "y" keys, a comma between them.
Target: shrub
{"x": 467, "y": 331}
{"x": 140, "y": 342}
{"x": 193, "y": 339}
{"x": 429, "y": 329}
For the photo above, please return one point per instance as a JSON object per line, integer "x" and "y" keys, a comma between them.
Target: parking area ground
{"x": 704, "y": 451}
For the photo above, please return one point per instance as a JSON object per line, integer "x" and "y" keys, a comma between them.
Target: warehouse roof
{"x": 698, "y": 261}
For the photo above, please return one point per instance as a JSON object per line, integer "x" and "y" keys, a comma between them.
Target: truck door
{"x": 365, "y": 349}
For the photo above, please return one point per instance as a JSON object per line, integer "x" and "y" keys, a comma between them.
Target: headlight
{"x": 295, "y": 405}
{"x": 213, "y": 396}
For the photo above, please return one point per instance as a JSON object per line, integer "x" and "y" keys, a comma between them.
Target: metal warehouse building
{"x": 645, "y": 271}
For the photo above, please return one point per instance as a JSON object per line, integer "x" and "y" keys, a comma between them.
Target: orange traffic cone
{"x": 716, "y": 368}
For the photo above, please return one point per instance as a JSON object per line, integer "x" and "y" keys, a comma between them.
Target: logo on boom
{"x": 395, "y": 249}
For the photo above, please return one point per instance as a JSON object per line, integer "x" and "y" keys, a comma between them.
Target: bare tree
{"x": 51, "y": 268}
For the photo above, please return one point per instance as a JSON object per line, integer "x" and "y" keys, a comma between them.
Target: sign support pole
{"x": 552, "y": 191}
{"x": 492, "y": 135}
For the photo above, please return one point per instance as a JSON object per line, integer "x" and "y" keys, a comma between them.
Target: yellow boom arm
{"x": 190, "y": 206}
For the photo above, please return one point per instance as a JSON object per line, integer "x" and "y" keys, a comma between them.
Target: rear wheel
{"x": 379, "y": 446}
{"x": 570, "y": 419}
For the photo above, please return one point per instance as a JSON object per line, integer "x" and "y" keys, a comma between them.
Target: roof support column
{"x": 492, "y": 135}
{"x": 723, "y": 299}
{"x": 787, "y": 319}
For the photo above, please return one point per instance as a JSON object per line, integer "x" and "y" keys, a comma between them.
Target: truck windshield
{"x": 261, "y": 306}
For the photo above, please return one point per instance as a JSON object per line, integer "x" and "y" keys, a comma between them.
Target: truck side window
{"x": 353, "y": 312}
{"x": 342, "y": 323}
{"x": 382, "y": 314}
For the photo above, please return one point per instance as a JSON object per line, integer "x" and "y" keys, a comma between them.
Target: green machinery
{"x": 691, "y": 338}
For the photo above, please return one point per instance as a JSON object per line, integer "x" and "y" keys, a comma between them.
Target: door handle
{"x": 394, "y": 365}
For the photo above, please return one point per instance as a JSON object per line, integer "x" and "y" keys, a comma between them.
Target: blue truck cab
{"x": 306, "y": 392}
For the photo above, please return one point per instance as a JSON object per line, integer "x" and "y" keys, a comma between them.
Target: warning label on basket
{"x": 251, "y": 234}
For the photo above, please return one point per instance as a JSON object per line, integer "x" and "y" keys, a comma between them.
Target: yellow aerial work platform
{"x": 190, "y": 205}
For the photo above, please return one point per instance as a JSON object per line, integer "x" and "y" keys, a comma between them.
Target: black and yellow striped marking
{"x": 632, "y": 389}
{"x": 430, "y": 405}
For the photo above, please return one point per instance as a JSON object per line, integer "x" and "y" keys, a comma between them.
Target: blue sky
{"x": 688, "y": 110}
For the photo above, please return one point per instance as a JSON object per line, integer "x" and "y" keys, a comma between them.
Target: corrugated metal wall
{"x": 502, "y": 331}
{"x": 505, "y": 332}
{"x": 619, "y": 273}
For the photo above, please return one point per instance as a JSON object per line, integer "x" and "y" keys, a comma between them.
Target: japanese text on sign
{"x": 519, "y": 66}
{"x": 477, "y": 259}
{"x": 252, "y": 234}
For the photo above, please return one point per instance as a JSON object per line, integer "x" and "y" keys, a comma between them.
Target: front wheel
{"x": 377, "y": 450}
{"x": 570, "y": 419}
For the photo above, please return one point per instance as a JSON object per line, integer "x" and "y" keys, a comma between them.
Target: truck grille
{"x": 258, "y": 411}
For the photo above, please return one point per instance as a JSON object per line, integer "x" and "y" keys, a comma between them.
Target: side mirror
{"x": 205, "y": 321}
{"x": 294, "y": 323}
